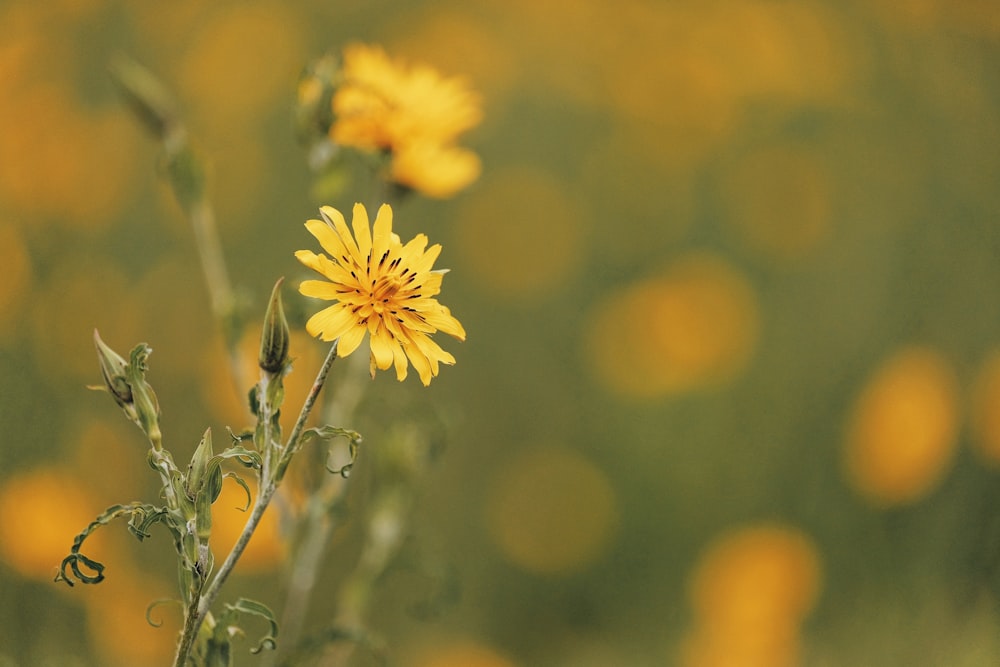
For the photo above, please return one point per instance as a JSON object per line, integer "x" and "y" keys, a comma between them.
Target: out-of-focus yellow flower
{"x": 266, "y": 549}
{"x": 904, "y": 428}
{"x": 40, "y": 514}
{"x": 551, "y": 510}
{"x": 116, "y": 619}
{"x": 692, "y": 328}
{"x": 750, "y": 592}
{"x": 411, "y": 112}
{"x": 381, "y": 288}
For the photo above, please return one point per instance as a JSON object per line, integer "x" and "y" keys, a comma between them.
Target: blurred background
{"x": 731, "y": 389}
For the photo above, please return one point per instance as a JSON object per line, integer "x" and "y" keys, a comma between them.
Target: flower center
{"x": 383, "y": 292}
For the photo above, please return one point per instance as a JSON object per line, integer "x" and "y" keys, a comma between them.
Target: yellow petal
{"x": 350, "y": 340}
{"x": 335, "y": 218}
{"x": 399, "y": 360}
{"x": 330, "y": 323}
{"x": 420, "y": 363}
{"x": 362, "y": 232}
{"x": 382, "y": 235}
{"x": 327, "y": 238}
{"x": 321, "y": 289}
{"x": 382, "y": 348}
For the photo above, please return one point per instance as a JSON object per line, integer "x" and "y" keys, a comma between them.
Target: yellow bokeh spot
{"x": 16, "y": 263}
{"x": 460, "y": 654}
{"x": 266, "y": 549}
{"x": 903, "y": 428}
{"x": 778, "y": 647}
{"x": 779, "y": 201}
{"x": 453, "y": 42}
{"x": 750, "y": 591}
{"x": 242, "y": 60}
{"x": 694, "y": 326}
{"x": 41, "y": 511}
{"x": 520, "y": 235}
{"x": 116, "y": 618}
{"x": 550, "y": 510}
{"x": 73, "y": 165}
{"x": 985, "y": 409}
{"x": 758, "y": 574}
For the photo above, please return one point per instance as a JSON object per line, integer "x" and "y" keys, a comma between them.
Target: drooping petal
{"x": 420, "y": 363}
{"x": 351, "y": 339}
{"x": 383, "y": 348}
{"x": 399, "y": 361}
{"x": 442, "y": 320}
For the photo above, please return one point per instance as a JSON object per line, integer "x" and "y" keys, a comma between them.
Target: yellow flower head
{"x": 381, "y": 287}
{"x": 387, "y": 105}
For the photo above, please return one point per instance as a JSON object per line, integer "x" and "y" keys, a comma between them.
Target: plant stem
{"x": 293, "y": 439}
{"x": 202, "y": 603}
{"x": 317, "y": 521}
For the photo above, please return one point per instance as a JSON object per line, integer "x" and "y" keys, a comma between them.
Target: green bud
{"x": 198, "y": 468}
{"x": 114, "y": 369}
{"x": 147, "y": 408}
{"x": 274, "y": 337}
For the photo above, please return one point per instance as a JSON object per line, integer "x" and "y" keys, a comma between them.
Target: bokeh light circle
{"x": 692, "y": 327}
{"x": 550, "y": 510}
{"x": 903, "y": 428}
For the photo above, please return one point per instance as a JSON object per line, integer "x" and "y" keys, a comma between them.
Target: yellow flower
{"x": 382, "y": 288}
{"x": 411, "y": 112}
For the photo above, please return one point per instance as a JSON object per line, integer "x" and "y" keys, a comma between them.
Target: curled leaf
{"x": 327, "y": 433}
{"x": 158, "y": 603}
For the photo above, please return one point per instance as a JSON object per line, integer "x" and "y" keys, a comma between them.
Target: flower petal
{"x": 351, "y": 339}
{"x": 363, "y": 233}
{"x": 330, "y": 323}
{"x": 383, "y": 344}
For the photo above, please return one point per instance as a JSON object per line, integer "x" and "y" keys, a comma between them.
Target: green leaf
{"x": 141, "y": 517}
{"x": 229, "y": 621}
{"x": 246, "y": 488}
{"x": 158, "y": 603}
{"x": 327, "y": 433}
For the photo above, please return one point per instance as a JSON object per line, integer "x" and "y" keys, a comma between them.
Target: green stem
{"x": 268, "y": 486}
{"x": 293, "y": 440}
{"x": 318, "y": 523}
{"x": 188, "y": 634}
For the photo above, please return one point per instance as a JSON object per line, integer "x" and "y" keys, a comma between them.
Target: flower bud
{"x": 274, "y": 337}
{"x": 114, "y": 369}
{"x": 147, "y": 408}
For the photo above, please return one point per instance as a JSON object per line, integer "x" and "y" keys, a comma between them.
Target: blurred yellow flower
{"x": 267, "y": 548}
{"x": 903, "y": 429}
{"x": 693, "y": 327}
{"x": 750, "y": 591}
{"x": 409, "y": 112}
{"x": 382, "y": 288}
{"x": 41, "y": 511}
